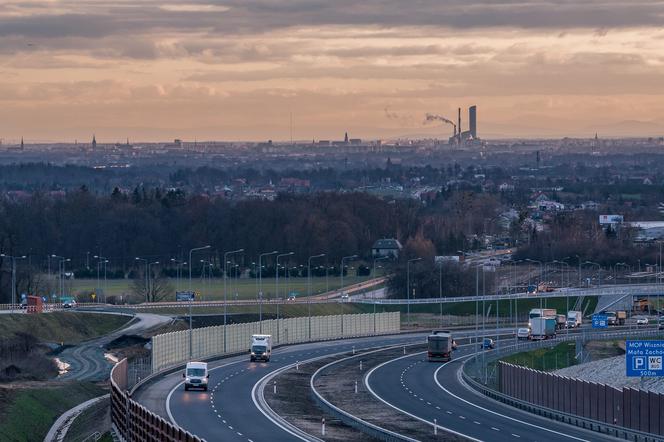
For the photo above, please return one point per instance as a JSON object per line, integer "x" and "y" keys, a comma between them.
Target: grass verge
{"x": 26, "y": 414}
{"x": 66, "y": 327}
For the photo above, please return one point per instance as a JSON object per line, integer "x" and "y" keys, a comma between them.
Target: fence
{"x": 631, "y": 408}
{"x": 171, "y": 349}
{"x": 135, "y": 423}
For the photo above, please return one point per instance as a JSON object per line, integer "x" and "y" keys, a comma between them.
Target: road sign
{"x": 600, "y": 321}
{"x": 644, "y": 358}
{"x": 93, "y": 296}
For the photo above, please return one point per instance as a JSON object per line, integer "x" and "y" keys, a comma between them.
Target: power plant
{"x": 460, "y": 136}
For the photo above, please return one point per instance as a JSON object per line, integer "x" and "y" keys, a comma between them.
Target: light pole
{"x": 226, "y": 255}
{"x": 58, "y": 257}
{"x": 541, "y": 275}
{"x": 276, "y": 279}
{"x": 260, "y": 286}
{"x": 408, "y": 287}
{"x": 566, "y": 297}
{"x": 150, "y": 277}
{"x": 178, "y": 267}
{"x": 320, "y": 255}
{"x": 345, "y": 258}
{"x": 599, "y": 271}
{"x": 191, "y": 329}
{"x": 374, "y": 264}
{"x": 13, "y": 264}
{"x": 147, "y": 283}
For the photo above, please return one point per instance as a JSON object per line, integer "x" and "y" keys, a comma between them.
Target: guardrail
{"x": 562, "y": 416}
{"x": 617, "y": 289}
{"x": 132, "y": 422}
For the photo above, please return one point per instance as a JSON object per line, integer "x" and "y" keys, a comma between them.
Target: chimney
{"x": 459, "y": 126}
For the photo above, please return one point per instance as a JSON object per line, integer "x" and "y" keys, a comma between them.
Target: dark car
{"x": 488, "y": 343}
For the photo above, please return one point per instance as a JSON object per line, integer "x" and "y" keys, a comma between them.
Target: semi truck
{"x": 440, "y": 345}
{"x": 540, "y": 313}
{"x": 621, "y": 317}
{"x": 574, "y": 318}
{"x": 561, "y": 321}
{"x": 543, "y": 328}
{"x": 261, "y": 348}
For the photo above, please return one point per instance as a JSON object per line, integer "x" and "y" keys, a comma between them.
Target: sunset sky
{"x": 234, "y": 70}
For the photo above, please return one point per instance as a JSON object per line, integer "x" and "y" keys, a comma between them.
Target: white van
{"x": 261, "y": 348}
{"x": 196, "y": 376}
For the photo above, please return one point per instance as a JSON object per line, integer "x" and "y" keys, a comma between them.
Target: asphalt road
{"x": 87, "y": 360}
{"x": 434, "y": 391}
{"x": 227, "y": 411}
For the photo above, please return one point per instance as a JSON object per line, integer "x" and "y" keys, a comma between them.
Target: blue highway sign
{"x": 644, "y": 358}
{"x": 600, "y": 321}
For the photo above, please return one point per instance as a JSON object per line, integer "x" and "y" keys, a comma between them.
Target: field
{"x": 546, "y": 359}
{"x": 213, "y": 289}
{"x": 67, "y": 327}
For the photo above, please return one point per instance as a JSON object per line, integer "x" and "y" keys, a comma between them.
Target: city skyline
{"x": 237, "y": 70}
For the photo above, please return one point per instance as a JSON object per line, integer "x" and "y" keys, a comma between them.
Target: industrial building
{"x": 462, "y": 137}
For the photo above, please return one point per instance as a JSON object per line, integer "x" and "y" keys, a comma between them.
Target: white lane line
{"x": 462, "y": 417}
{"x": 475, "y": 422}
{"x": 435, "y": 378}
{"x": 373, "y": 393}
{"x": 495, "y": 429}
{"x": 515, "y": 435}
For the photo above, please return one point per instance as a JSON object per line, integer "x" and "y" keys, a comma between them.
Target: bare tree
{"x": 159, "y": 288}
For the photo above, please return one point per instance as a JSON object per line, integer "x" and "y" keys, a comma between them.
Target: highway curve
{"x": 227, "y": 410}
{"x": 429, "y": 391}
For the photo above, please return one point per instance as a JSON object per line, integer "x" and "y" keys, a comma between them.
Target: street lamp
{"x": 260, "y": 286}
{"x": 309, "y": 271}
{"x": 178, "y": 269}
{"x": 277, "y": 273}
{"x": 408, "y": 286}
{"x": 599, "y": 271}
{"x": 541, "y": 274}
{"x": 374, "y": 264}
{"x": 225, "y": 291}
{"x": 13, "y": 263}
{"x": 150, "y": 277}
{"x": 191, "y": 299}
{"x": 349, "y": 258}
{"x": 147, "y": 283}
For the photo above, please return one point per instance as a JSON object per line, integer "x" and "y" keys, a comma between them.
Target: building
{"x": 386, "y": 247}
{"x": 472, "y": 118}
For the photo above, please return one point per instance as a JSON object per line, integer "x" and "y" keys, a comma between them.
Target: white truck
{"x": 543, "y": 328}
{"x": 574, "y": 319}
{"x": 261, "y": 348}
{"x": 196, "y": 376}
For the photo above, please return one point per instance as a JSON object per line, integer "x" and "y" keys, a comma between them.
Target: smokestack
{"x": 459, "y": 125}
{"x": 472, "y": 118}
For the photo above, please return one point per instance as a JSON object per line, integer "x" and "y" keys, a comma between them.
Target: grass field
{"x": 214, "y": 289}
{"x": 26, "y": 414}
{"x": 546, "y": 359}
{"x": 67, "y": 327}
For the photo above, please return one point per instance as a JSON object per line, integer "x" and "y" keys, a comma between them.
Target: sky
{"x": 155, "y": 70}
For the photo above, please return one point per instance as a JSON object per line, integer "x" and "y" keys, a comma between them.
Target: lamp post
{"x": 345, "y": 258}
{"x": 191, "y": 329}
{"x": 276, "y": 279}
{"x": 260, "y": 286}
{"x": 566, "y": 297}
{"x": 150, "y": 276}
{"x": 599, "y": 271}
{"x": 147, "y": 283}
{"x": 320, "y": 255}
{"x": 408, "y": 286}
{"x": 178, "y": 267}
{"x": 226, "y": 255}
{"x": 60, "y": 273}
{"x": 541, "y": 274}
{"x": 13, "y": 264}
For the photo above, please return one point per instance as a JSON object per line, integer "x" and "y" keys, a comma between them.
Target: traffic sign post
{"x": 644, "y": 358}
{"x": 600, "y": 321}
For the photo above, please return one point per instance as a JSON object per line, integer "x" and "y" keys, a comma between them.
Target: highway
{"x": 227, "y": 410}
{"x": 431, "y": 391}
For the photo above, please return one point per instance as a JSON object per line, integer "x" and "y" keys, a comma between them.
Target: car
{"x": 660, "y": 323}
{"x": 345, "y": 297}
{"x": 291, "y": 297}
{"x": 523, "y": 333}
{"x": 488, "y": 343}
{"x": 196, "y": 376}
{"x": 69, "y": 304}
{"x": 641, "y": 320}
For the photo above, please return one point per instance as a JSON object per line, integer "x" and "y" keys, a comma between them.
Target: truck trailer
{"x": 543, "y": 328}
{"x": 440, "y": 345}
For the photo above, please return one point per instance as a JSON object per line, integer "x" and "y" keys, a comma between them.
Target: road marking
{"x": 495, "y": 429}
{"x": 435, "y": 378}
{"x": 475, "y": 422}
{"x": 462, "y": 417}
{"x": 515, "y": 435}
